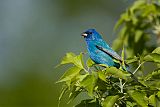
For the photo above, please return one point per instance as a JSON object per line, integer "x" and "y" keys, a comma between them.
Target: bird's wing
{"x": 111, "y": 53}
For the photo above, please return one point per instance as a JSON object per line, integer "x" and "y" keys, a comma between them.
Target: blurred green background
{"x": 36, "y": 34}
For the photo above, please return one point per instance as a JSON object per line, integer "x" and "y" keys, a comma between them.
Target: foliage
{"x": 109, "y": 86}
{"x": 112, "y": 87}
{"x": 138, "y": 25}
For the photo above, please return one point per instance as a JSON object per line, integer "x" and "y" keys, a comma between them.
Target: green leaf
{"x": 89, "y": 83}
{"x": 88, "y": 103}
{"x": 120, "y": 40}
{"x": 74, "y": 93}
{"x": 154, "y": 101}
{"x": 68, "y": 58}
{"x": 72, "y": 58}
{"x": 70, "y": 74}
{"x": 123, "y": 57}
{"x": 158, "y": 94}
{"x": 139, "y": 97}
{"x": 155, "y": 74}
{"x": 78, "y": 61}
{"x": 90, "y": 63}
{"x": 102, "y": 76}
{"x": 132, "y": 60}
{"x": 157, "y": 50}
{"x": 130, "y": 104}
{"x": 110, "y": 101}
{"x": 64, "y": 89}
{"x": 152, "y": 80}
{"x": 153, "y": 57}
{"x": 138, "y": 35}
{"x": 117, "y": 72}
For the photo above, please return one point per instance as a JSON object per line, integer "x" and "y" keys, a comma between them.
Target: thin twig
{"x": 121, "y": 86}
{"x": 138, "y": 68}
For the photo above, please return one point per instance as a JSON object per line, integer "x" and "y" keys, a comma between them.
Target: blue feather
{"x": 100, "y": 52}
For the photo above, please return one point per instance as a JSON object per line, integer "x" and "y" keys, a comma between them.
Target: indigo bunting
{"x": 101, "y": 53}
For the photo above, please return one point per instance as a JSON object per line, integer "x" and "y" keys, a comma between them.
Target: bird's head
{"x": 91, "y": 34}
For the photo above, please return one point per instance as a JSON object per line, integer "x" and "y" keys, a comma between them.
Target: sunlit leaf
{"x": 89, "y": 83}
{"x": 110, "y": 101}
{"x": 72, "y": 58}
{"x": 117, "y": 73}
{"x": 139, "y": 97}
{"x": 154, "y": 101}
{"x": 153, "y": 57}
{"x": 102, "y": 76}
{"x": 90, "y": 62}
{"x": 158, "y": 94}
{"x": 136, "y": 5}
{"x": 78, "y": 61}
{"x": 130, "y": 104}
{"x": 157, "y": 50}
{"x": 68, "y": 58}
{"x": 70, "y": 73}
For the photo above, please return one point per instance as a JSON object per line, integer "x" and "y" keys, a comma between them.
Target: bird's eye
{"x": 90, "y": 33}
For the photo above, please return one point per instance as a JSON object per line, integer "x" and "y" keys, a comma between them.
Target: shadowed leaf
{"x": 139, "y": 97}
{"x": 110, "y": 101}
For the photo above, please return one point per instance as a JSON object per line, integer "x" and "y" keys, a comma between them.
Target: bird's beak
{"x": 84, "y": 34}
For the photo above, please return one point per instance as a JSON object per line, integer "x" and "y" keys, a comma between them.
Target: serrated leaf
{"x": 70, "y": 73}
{"x": 117, "y": 72}
{"x": 72, "y": 58}
{"x": 78, "y": 61}
{"x": 89, "y": 83}
{"x": 68, "y": 58}
{"x": 157, "y": 50}
{"x": 110, "y": 101}
{"x": 153, "y": 57}
{"x": 139, "y": 97}
{"x": 90, "y": 63}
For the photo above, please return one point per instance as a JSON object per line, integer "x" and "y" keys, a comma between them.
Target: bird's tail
{"x": 133, "y": 77}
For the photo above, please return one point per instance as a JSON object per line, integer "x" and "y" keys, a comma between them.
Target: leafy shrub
{"x": 109, "y": 86}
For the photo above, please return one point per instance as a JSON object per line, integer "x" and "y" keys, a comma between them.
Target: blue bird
{"x": 100, "y": 52}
